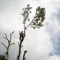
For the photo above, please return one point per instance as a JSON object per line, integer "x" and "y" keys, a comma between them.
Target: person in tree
{"x": 22, "y": 35}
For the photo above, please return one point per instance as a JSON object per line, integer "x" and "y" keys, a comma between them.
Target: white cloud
{"x": 37, "y": 42}
{"x": 55, "y": 57}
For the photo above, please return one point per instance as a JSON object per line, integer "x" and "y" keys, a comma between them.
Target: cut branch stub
{"x": 12, "y": 43}
{"x": 24, "y": 54}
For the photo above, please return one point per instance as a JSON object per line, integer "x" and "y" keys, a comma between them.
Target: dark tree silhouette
{"x": 2, "y": 57}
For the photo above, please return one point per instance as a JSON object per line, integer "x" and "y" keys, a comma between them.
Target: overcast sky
{"x": 41, "y": 44}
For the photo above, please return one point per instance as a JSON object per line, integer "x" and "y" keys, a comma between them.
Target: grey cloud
{"x": 38, "y": 46}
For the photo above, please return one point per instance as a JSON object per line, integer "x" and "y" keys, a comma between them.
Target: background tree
{"x": 2, "y": 57}
{"x": 9, "y": 44}
{"x": 37, "y": 22}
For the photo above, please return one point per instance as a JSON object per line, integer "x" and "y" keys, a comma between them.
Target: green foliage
{"x": 37, "y": 19}
{"x": 26, "y": 12}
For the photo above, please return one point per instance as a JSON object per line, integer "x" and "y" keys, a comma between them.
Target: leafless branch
{"x": 9, "y": 43}
{"x": 4, "y": 45}
{"x": 12, "y": 43}
{"x": 12, "y": 33}
{"x": 10, "y": 36}
{"x": 5, "y": 52}
{"x": 6, "y": 37}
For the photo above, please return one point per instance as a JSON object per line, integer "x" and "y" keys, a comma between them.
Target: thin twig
{"x": 6, "y": 38}
{"x": 29, "y": 23}
{"x": 12, "y": 43}
{"x": 11, "y": 35}
{"x": 4, "y": 45}
{"x": 12, "y": 32}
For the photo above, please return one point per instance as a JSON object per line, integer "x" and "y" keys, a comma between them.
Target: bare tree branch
{"x": 12, "y": 43}
{"x": 12, "y": 32}
{"x": 4, "y": 45}
{"x": 9, "y": 43}
{"x": 11, "y": 35}
{"x": 6, "y": 38}
{"x": 5, "y": 35}
{"x": 21, "y": 46}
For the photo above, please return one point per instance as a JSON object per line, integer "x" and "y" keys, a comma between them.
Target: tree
{"x": 2, "y": 57}
{"x": 37, "y": 22}
{"x": 9, "y": 44}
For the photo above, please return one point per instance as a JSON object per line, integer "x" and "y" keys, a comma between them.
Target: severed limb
{"x": 24, "y": 55}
